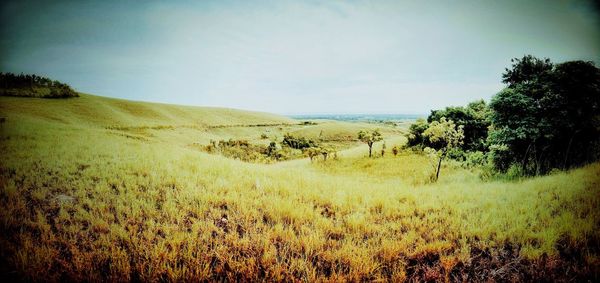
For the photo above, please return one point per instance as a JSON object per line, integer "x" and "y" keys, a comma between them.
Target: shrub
{"x": 298, "y": 142}
{"x": 475, "y": 159}
{"x": 514, "y": 172}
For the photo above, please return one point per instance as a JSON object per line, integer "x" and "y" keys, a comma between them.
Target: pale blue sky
{"x": 292, "y": 56}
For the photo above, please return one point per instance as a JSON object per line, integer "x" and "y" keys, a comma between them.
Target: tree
{"x": 297, "y": 142}
{"x": 312, "y": 152}
{"x": 273, "y": 151}
{"x": 445, "y": 134}
{"x": 395, "y": 150}
{"x": 33, "y": 86}
{"x": 547, "y": 117}
{"x": 325, "y": 151}
{"x": 475, "y": 120}
{"x": 370, "y": 138}
{"x": 415, "y": 133}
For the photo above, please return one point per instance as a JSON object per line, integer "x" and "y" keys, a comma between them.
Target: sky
{"x": 292, "y": 57}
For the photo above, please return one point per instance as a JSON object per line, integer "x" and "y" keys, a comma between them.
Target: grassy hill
{"x": 94, "y": 188}
{"x": 90, "y": 110}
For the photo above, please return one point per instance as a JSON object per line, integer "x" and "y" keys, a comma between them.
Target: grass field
{"x": 96, "y": 189}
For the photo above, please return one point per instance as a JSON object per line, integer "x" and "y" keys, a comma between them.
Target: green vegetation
{"x": 474, "y": 119}
{"x": 446, "y": 136}
{"x": 546, "y": 118}
{"x": 297, "y": 142}
{"x": 558, "y": 110}
{"x": 370, "y": 138}
{"x": 244, "y": 150}
{"x": 33, "y": 86}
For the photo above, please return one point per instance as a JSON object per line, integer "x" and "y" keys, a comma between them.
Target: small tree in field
{"x": 445, "y": 135}
{"x": 370, "y": 138}
{"x": 395, "y": 150}
{"x": 312, "y": 152}
{"x": 325, "y": 151}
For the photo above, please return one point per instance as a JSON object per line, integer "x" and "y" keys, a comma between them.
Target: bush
{"x": 298, "y": 142}
{"x": 475, "y": 159}
{"x": 514, "y": 172}
{"x": 247, "y": 152}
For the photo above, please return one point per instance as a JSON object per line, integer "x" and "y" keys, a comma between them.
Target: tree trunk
{"x": 525, "y": 157}
{"x": 568, "y": 151}
{"x": 437, "y": 175}
{"x": 370, "y": 149}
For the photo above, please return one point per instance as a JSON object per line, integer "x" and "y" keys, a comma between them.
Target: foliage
{"x": 415, "y": 136}
{"x": 445, "y": 135}
{"x": 370, "y": 138}
{"x": 298, "y": 142}
{"x": 242, "y": 150}
{"x": 475, "y": 121}
{"x": 547, "y": 117}
{"x": 33, "y": 86}
{"x": 475, "y": 159}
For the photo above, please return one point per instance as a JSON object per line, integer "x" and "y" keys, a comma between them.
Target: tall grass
{"x": 79, "y": 203}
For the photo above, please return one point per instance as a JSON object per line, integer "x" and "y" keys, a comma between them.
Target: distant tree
{"x": 297, "y": 142}
{"x": 445, "y": 134}
{"x": 312, "y": 152}
{"x": 383, "y": 147}
{"x": 415, "y": 133}
{"x": 326, "y": 151}
{"x": 370, "y": 138}
{"x": 273, "y": 151}
{"x": 33, "y": 86}
{"x": 395, "y": 150}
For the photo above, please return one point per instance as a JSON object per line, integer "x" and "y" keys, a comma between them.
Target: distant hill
{"x": 33, "y": 86}
{"x": 91, "y": 110}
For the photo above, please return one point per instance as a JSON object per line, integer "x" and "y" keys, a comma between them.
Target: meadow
{"x": 99, "y": 189}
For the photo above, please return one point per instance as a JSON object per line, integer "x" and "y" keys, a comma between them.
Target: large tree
{"x": 547, "y": 116}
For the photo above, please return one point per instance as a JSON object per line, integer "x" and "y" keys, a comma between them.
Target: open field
{"x": 104, "y": 189}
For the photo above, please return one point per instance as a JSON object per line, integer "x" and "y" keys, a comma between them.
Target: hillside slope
{"x": 104, "y": 112}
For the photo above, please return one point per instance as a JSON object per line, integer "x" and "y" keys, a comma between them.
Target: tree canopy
{"x": 446, "y": 135}
{"x": 474, "y": 119}
{"x": 33, "y": 86}
{"x": 547, "y": 116}
{"x": 370, "y": 138}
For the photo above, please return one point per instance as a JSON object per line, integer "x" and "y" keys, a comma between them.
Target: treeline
{"x": 33, "y": 86}
{"x": 547, "y": 117}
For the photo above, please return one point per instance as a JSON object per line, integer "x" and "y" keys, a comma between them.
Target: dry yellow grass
{"x": 85, "y": 202}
